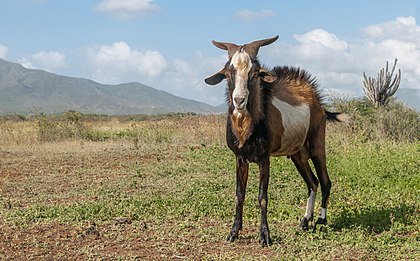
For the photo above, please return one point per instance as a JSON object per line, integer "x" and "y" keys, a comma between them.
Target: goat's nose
{"x": 239, "y": 101}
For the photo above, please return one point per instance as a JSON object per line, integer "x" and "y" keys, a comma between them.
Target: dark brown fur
{"x": 257, "y": 133}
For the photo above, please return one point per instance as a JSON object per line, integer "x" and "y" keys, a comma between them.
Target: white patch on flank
{"x": 323, "y": 213}
{"x": 242, "y": 63}
{"x": 310, "y": 205}
{"x": 295, "y": 120}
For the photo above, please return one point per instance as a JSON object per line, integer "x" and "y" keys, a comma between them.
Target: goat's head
{"x": 242, "y": 72}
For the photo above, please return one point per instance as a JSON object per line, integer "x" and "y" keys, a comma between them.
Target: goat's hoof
{"x": 234, "y": 231}
{"x": 320, "y": 221}
{"x": 304, "y": 224}
{"x": 232, "y": 236}
{"x": 265, "y": 237}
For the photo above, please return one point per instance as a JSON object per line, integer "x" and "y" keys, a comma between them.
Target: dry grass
{"x": 163, "y": 188}
{"x": 178, "y": 129}
{"x": 14, "y": 133}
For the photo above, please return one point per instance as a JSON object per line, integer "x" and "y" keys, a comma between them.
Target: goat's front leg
{"x": 242, "y": 168}
{"x": 263, "y": 201}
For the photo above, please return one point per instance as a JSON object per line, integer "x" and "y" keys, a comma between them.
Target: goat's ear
{"x": 216, "y": 78}
{"x": 267, "y": 76}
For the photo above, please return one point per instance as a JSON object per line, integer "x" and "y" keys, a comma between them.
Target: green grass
{"x": 373, "y": 213}
{"x": 180, "y": 198}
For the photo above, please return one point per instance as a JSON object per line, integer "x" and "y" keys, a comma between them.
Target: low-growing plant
{"x": 391, "y": 122}
{"x": 59, "y": 127}
{"x": 176, "y": 187}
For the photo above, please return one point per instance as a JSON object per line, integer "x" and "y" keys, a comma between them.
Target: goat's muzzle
{"x": 239, "y": 103}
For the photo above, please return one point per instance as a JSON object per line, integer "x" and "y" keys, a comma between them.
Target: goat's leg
{"x": 302, "y": 165}
{"x": 264, "y": 166}
{"x": 242, "y": 168}
{"x": 319, "y": 160}
{"x": 321, "y": 169}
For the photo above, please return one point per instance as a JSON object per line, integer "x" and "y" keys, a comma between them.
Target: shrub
{"x": 59, "y": 127}
{"x": 392, "y": 122}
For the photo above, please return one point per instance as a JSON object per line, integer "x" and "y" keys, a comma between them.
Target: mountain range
{"x": 25, "y": 91}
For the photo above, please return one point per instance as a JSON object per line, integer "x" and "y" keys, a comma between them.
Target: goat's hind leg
{"x": 321, "y": 169}
{"x": 320, "y": 162}
{"x": 300, "y": 160}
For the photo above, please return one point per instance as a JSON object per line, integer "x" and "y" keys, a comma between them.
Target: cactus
{"x": 380, "y": 90}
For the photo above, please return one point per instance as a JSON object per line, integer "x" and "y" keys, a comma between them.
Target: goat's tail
{"x": 338, "y": 117}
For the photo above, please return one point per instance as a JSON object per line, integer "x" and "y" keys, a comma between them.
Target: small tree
{"x": 380, "y": 90}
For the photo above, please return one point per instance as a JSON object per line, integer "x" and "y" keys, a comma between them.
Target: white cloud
{"x": 186, "y": 78}
{"x": 127, "y": 9}
{"x": 248, "y": 15}
{"x": 118, "y": 62}
{"x": 49, "y": 61}
{"x": 26, "y": 63}
{"x": 3, "y": 51}
{"x": 339, "y": 64}
{"x": 323, "y": 38}
{"x": 403, "y": 28}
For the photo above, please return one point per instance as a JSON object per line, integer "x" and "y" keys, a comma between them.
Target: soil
{"x": 121, "y": 238}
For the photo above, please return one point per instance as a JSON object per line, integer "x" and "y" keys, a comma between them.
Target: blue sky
{"x": 167, "y": 44}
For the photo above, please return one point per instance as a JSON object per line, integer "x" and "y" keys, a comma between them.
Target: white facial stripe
{"x": 295, "y": 120}
{"x": 242, "y": 63}
{"x": 310, "y": 205}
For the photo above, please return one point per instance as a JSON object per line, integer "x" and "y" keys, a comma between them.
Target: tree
{"x": 380, "y": 90}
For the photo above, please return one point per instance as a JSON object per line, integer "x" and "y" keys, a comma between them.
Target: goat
{"x": 274, "y": 112}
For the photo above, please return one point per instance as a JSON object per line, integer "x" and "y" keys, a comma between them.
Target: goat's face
{"x": 242, "y": 72}
{"x": 239, "y": 69}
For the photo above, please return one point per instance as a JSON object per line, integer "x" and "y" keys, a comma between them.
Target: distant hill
{"x": 26, "y": 91}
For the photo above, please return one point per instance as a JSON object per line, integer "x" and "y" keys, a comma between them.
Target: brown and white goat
{"x": 274, "y": 112}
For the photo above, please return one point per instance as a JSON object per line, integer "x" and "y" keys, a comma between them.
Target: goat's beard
{"x": 242, "y": 125}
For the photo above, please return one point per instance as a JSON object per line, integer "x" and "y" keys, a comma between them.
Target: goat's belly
{"x": 288, "y": 148}
{"x": 295, "y": 121}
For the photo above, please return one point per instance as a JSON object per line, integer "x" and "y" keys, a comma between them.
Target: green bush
{"x": 58, "y": 127}
{"x": 391, "y": 122}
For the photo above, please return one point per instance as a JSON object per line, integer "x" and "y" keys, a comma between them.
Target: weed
{"x": 60, "y": 127}
{"x": 391, "y": 122}
{"x": 173, "y": 178}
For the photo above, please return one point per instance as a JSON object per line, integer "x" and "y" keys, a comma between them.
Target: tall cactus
{"x": 380, "y": 90}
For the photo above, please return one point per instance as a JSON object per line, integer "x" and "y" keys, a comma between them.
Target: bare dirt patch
{"x": 60, "y": 174}
{"x": 139, "y": 240}
{"x": 165, "y": 190}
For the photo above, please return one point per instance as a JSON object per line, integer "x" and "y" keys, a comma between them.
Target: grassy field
{"x": 79, "y": 187}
